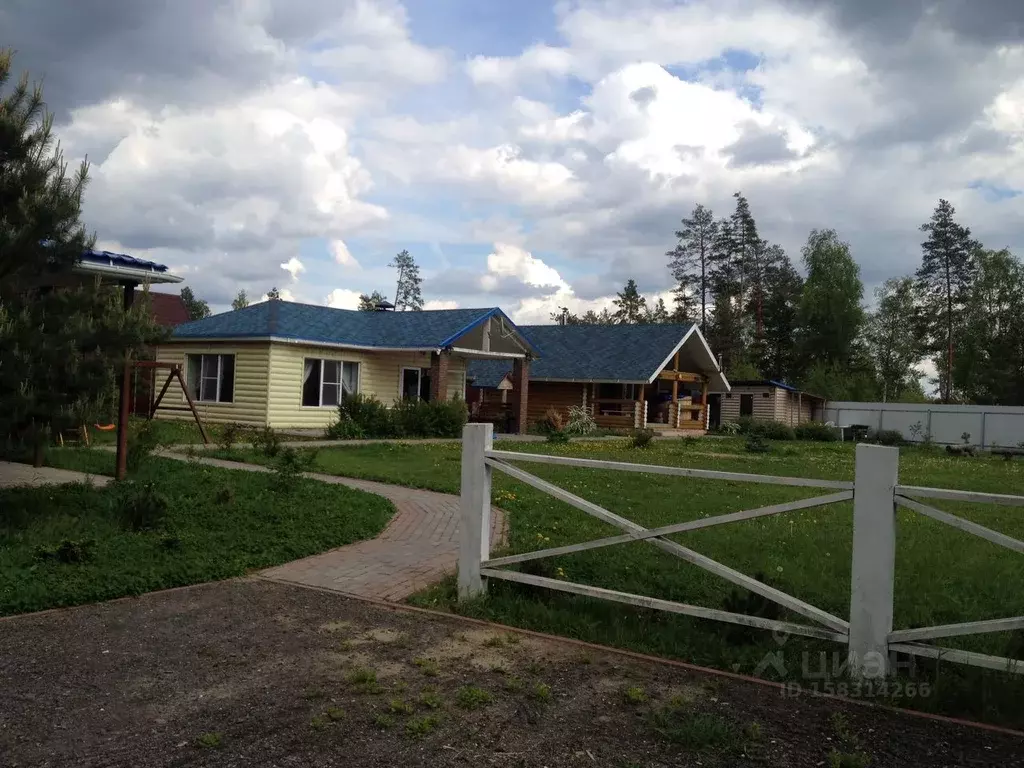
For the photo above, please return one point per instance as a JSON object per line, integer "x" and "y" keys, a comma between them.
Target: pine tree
{"x": 745, "y": 245}
{"x": 692, "y": 264}
{"x": 197, "y": 308}
{"x": 272, "y": 295}
{"x": 944, "y": 279}
{"x": 892, "y": 341}
{"x": 39, "y": 202}
{"x": 630, "y": 304}
{"x": 775, "y": 352}
{"x": 657, "y": 314}
{"x": 369, "y": 303}
{"x": 407, "y": 292}
{"x": 60, "y": 347}
{"x": 241, "y": 300}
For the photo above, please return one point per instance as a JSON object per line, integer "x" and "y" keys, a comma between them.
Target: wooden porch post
{"x": 121, "y": 462}
{"x": 704, "y": 403}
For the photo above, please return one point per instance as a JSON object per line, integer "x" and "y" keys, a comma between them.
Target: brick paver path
{"x": 417, "y": 548}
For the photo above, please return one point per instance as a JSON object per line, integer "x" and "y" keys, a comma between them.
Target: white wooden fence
{"x": 875, "y": 492}
{"x": 988, "y": 426}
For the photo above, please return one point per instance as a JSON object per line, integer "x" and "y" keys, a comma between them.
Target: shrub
{"x": 729, "y": 428}
{"x": 757, "y": 444}
{"x": 816, "y": 430}
{"x": 140, "y": 507}
{"x": 367, "y": 417}
{"x": 772, "y": 430}
{"x": 435, "y": 418}
{"x": 561, "y": 437}
{"x": 229, "y": 435}
{"x": 580, "y": 422}
{"x": 552, "y": 421}
{"x": 641, "y": 438}
{"x": 267, "y": 442}
{"x": 142, "y": 441}
{"x": 289, "y": 466}
{"x": 68, "y": 551}
{"x": 891, "y": 437}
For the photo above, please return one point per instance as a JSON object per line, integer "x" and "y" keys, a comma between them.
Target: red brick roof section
{"x": 168, "y": 309}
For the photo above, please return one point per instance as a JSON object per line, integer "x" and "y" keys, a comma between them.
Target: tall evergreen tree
{"x": 241, "y": 300}
{"x": 831, "y": 316}
{"x": 746, "y": 244}
{"x": 407, "y": 291}
{"x": 40, "y": 202}
{"x": 59, "y": 347}
{"x": 944, "y": 279}
{"x": 272, "y": 295}
{"x": 657, "y": 314}
{"x": 631, "y": 306}
{"x": 370, "y": 302}
{"x": 893, "y": 343}
{"x": 692, "y": 265}
{"x": 775, "y": 351}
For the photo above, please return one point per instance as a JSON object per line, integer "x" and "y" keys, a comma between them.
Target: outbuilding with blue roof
{"x": 626, "y": 376}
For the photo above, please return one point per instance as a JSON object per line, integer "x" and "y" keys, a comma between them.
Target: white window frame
{"x": 401, "y": 381}
{"x": 197, "y": 395}
{"x": 341, "y": 380}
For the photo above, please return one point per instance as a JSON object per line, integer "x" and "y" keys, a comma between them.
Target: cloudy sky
{"x": 529, "y": 154}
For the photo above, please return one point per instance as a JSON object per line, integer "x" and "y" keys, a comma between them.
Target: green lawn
{"x": 219, "y": 524}
{"x": 943, "y": 575}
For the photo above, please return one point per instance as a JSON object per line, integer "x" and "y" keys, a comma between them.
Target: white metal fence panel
{"x": 989, "y": 426}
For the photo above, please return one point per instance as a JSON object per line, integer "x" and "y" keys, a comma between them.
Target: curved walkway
{"x": 418, "y": 547}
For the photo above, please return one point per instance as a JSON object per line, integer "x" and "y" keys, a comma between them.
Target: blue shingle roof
{"x": 120, "y": 260}
{"x": 589, "y": 352}
{"x": 433, "y": 329}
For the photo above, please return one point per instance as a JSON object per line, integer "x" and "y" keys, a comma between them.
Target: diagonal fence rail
{"x": 875, "y": 493}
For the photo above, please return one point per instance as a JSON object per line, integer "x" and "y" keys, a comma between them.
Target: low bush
{"x": 267, "y": 442}
{"x": 891, "y": 437}
{"x": 367, "y": 417}
{"x": 729, "y": 428}
{"x": 140, "y": 506}
{"x": 229, "y": 435}
{"x": 580, "y": 422}
{"x": 289, "y": 466}
{"x": 561, "y": 437}
{"x": 816, "y": 431}
{"x": 552, "y": 421}
{"x": 757, "y": 444}
{"x": 68, "y": 551}
{"x": 142, "y": 441}
{"x": 641, "y": 438}
{"x": 771, "y": 430}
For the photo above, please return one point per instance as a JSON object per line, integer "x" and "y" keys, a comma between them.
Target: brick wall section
{"x": 439, "y": 375}
{"x": 521, "y": 385}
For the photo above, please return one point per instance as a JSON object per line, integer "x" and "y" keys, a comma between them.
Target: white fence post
{"x": 475, "y": 509}
{"x": 874, "y": 559}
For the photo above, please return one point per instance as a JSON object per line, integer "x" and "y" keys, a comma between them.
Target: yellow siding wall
{"x": 250, "y": 394}
{"x": 379, "y": 375}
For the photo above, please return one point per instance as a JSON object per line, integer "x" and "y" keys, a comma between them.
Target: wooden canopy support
{"x": 174, "y": 372}
{"x": 681, "y": 376}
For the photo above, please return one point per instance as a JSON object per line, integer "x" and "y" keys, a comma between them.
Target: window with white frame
{"x": 211, "y": 378}
{"x": 328, "y": 382}
{"x": 415, "y": 384}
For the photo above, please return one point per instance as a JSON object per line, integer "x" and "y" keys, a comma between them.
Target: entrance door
{"x": 714, "y": 411}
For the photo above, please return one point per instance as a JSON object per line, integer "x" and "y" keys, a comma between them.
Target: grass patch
{"x": 635, "y": 694}
{"x": 163, "y": 529}
{"x": 211, "y": 740}
{"x": 418, "y": 727}
{"x": 943, "y": 575}
{"x": 471, "y": 697}
{"x": 693, "y": 730}
{"x": 428, "y": 667}
{"x": 430, "y": 698}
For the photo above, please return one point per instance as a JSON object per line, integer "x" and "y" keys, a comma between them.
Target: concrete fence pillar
{"x": 874, "y": 559}
{"x": 474, "y": 509}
